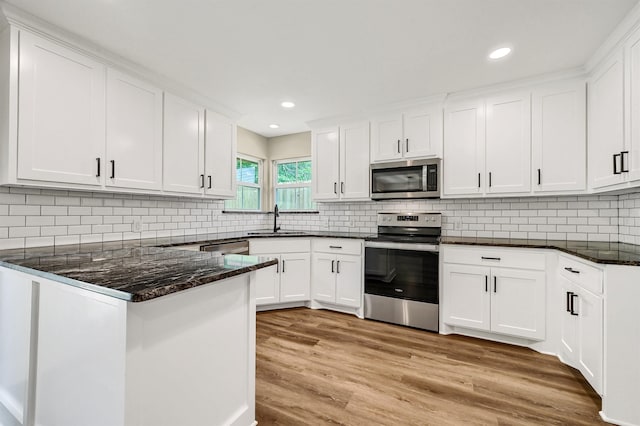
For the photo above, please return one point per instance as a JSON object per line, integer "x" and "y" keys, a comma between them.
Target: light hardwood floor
{"x": 320, "y": 367}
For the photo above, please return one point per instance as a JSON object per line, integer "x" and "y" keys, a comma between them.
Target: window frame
{"x": 277, "y": 185}
{"x": 259, "y": 185}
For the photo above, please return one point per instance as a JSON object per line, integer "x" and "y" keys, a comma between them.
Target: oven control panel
{"x": 420, "y": 220}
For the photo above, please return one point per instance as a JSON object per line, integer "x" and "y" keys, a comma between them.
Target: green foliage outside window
{"x": 293, "y": 185}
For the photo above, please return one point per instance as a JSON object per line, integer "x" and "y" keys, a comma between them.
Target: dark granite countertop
{"x": 139, "y": 270}
{"x": 594, "y": 251}
{"x": 135, "y": 274}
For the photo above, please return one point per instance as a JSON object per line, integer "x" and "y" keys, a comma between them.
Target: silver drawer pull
{"x": 490, "y": 258}
{"x": 336, "y": 247}
{"x": 574, "y": 271}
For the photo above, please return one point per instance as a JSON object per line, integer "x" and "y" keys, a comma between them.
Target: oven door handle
{"x": 434, "y": 248}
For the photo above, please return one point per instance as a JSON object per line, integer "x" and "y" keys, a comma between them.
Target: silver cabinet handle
{"x": 338, "y": 266}
{"x": 407, "y": 144}
{"x": 398, "y": 146}
{"x": 283, "y": 266}
{"x": 332, "y": 266}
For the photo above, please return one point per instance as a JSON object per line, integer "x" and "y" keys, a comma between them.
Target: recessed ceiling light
{"x": 500, "y": 53}
{"x": 287, "y": 104}
{"x": 273, "y": 126}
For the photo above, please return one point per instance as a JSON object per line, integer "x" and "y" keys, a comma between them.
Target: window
{"x": 293, "y": 184}
{"x": 249, "y": 178}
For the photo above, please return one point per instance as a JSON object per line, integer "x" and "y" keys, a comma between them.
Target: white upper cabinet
{"x": 183, "y": 165}
{"x": 340, "y": 157}
{"x": 74, "y": 123}
{"x": 325, "y": 151}
{"x": 134, "y": 133}
{"x": 508, "y": 143}
{"x": 463, "y": 160}
{"x": 386, "y": 138}
{"x": 606, "y": 123}
{"x": 423, "y": 132}
{"x": 61, "y": 114}
{"x": 413, "y": 134}
{"x": 632, "y": 107}
{"x": 220, "y": 156}
{"x": 354, "y": 161}
{"x": 559, "y": 144}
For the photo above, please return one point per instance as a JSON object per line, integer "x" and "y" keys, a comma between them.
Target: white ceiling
{"x": 336, "y": 57}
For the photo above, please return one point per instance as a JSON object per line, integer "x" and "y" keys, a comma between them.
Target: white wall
{"x": 290, "y": 146}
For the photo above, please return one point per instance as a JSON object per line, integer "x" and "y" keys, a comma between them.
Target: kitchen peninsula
{"x": 128, "y": 333}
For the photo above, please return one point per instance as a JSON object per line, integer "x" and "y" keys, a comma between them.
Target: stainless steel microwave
{"x": 406, "y": 179}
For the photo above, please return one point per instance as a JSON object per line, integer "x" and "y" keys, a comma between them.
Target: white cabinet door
{"x": 568, "y": 324}
{"x": 508, "y": 144}
{"x": 220, "y": 156}
{"x": 354, "y": 161}
{"x": 326, "y": 164}
{"x": 183, "y": 165}
{"x": 323, "y": 277}
{"x": 466, "y": 300}
{"x": 268, "y": 284}
{"x": 559, "y": 143}
{"x": 134, "y": 133}
{"x": 423, "y": 133}
{"x": 61, "y": 110}
{"x": 348, "y": 281}
{"x": 518, "y": 302}
{"x": 590, "y": 338}
{"x": 16, "y": 299}
{"x": 386, "y": 138}
{"x": 463, "y": 160}
{"x": 295, "y": 277}
{"x": 632, "y": 106}
{"x": 606, "y": 123}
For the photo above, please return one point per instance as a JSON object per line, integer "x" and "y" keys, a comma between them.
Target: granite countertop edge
{"x": 592, "y": 251}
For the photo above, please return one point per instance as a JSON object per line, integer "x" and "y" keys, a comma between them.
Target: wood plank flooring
{"x": 321, "y": 367}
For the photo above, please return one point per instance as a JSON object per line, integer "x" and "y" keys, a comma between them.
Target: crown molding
{"x": 616, "y": 39}
{"x": 22, "y": 20}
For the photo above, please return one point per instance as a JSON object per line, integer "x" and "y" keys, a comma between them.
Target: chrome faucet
{"x": 276, "y": 215}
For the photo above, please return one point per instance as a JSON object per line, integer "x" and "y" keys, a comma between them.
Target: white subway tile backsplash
{"x": 33, "y": 216}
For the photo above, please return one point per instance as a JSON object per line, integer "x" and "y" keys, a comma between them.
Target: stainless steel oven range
{"x": 401, "y": 270}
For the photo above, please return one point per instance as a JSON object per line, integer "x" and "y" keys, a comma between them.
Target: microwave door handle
{"x": 424, "y": 178}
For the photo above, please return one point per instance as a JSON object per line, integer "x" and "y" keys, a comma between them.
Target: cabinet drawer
{"x": 491, "y": 256}
{"x": 586, "y": 276}
{"x": 279, "y": 245}
{"x": 341, "y": 246}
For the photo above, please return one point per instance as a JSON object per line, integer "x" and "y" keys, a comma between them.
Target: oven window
{"x": 402, "y": 274}
{"x": 404, "y": 179}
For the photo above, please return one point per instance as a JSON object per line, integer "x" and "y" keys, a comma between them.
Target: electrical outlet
{"x": 137, "y": 224}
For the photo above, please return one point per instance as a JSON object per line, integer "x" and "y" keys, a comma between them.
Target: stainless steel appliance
{"x": 227, "y": 247}
{"x": 401, "y": 270}
{"x": 406, "y": 179}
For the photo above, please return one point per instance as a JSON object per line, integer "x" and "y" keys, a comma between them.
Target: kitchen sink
{"x": 275, "y": 234}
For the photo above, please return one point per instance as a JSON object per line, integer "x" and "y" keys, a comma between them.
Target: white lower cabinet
{"x": 501, "y": 299}
{"x": 581, "y": 324}
{"x": 289, "y": 280}
{"x": 336, "y": 272}
{"x": 337, "y": 279}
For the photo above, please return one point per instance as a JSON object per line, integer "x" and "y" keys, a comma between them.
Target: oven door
{"x": 402, "y": 271}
